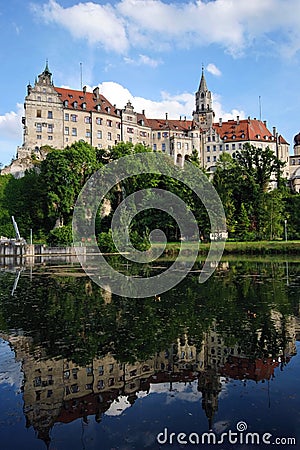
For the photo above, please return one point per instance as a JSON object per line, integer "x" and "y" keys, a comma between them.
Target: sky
{"x": 151, "y": 52}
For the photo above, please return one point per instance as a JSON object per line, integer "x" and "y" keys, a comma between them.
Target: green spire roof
{"x": 46, "y": 70}
{"x": 203, "y": 85}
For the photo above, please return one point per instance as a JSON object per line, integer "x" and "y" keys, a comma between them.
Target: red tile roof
{"x": 240, "y": 368}
{"x": 170, "y": 124}
{"x": 243, "y": 130}
{"x": 89, "y": 98}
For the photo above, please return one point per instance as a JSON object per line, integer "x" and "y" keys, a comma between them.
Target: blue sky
{"x": 151, "y": 52}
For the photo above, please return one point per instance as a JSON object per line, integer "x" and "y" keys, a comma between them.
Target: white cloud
{"x": 231, "y": 24}
{"x": 11, "y": 125}
{"x": 10, "y": 134}
{"x": 93, "y": 22}
{"x": 211, "y": 68}
{"x": 143, "y": 60}
{"x": 226, "y": 115}
{"x": 175, "y": 105}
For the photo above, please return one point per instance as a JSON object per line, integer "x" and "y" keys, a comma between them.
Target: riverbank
{"x": 241, "y": 248}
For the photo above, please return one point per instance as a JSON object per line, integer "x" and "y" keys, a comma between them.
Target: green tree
{"x": 64, "y": 173}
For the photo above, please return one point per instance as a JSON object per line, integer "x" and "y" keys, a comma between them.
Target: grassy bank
{"x": 250, "y": 248}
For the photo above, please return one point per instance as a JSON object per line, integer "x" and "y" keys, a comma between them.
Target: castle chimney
{"x": 166, "y": 116}
{"x": 220, "y": 121}
{"x": 274, "y": 131}
{"x": 179, "y": 117}
{"x": 184, "y": 118}
{"x": 96, "y": 92}
{"x": 237, "y": 120}
{"x": 84, "y": 89}
{"x": 265, "y": 123}
{"x": 143, "y": 112}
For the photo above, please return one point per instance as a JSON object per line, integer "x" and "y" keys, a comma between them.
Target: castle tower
{"x": 204, "y": 114}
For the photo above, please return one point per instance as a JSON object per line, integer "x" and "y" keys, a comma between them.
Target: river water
{"x": 213, "y": 365}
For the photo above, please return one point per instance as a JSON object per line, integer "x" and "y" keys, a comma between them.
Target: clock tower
{"x": 204, "y": 114}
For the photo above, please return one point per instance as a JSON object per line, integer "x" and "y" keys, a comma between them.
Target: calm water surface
{"x": 83, "y": 369}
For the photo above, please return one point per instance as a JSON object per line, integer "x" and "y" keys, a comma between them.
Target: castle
{"x": 58, "y": 117}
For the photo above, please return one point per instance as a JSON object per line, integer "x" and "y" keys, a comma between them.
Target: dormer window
{"x": 233, "y": 136}
{"x": 75, "y": 104}
{"x": 225, "y": 137}
{"x": 83, "y": 105}
{"x": 98, "y": 107}
{"x": 266, "y": 138}
{"x": 243, "y": 136}
{"x": 66, "y": 103}
{"x": 258, "y": 136}
{"x": 108, "y": 109}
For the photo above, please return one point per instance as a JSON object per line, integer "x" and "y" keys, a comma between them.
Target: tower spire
{"x": 202, "y": 85}
{"x": 204, "y": 113}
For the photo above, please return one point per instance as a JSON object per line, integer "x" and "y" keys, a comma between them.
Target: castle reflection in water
{"x": 60, "y": 391}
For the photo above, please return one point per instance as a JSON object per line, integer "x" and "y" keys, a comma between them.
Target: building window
{"x": 74, "y": 131}
{"x": 98, "y": 121}
{"x": 215, "y": 158}
{"x": 100, "y": 384}
{"x": 50, "y": 138}
{"x": 75, "y": 104}
{"x": 84, "y": 105}
{"x": 221, "y": 147}
{"x": 118, "y": 137}
{"x": 39, "y": 98}
{"x": 163, "y": 147}
{"x": 208, "y": 138}
{"x": 39, "y": 136}
{"x": 186, "y": 145}
{"x": 39, "y": 113}
{"x": 87, "y": 119}
{"x": 240, "y": 146}
{"x": 67, "y": 130}
{"x": 109, "y": 123}
{"x": 233, "y": 146}
{"x": 39, "y": 127}
{"x": 154, "y": 147}
{"x": 67, "y": 117}
{"x": 129, "y": 130}
{"x": 74, "y": 388}
{"x": 111, "y": 382}
{"x": 66, "y": 103}
{"x": 208, "y": 159}
{"x": 50, "y": 115}
{"x": 158, "y": 135}
{"x": 165, "y": 134}
{"x": 99, "y": 134}
{"x": 208, "y": 148}
{"x": 50, "y": 128}
{"x": 118, "y": 125}
{"x": 178, "y": 145}
{"x": 73, "y": 118}
{"x": 227, "y": 147}
{"x": 214, "y": 148}
{"x": 88, "y": 133}
{"x": 214, "y": 138}
{"x": 109, "y": 136}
